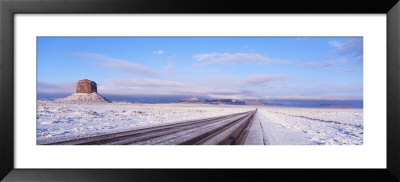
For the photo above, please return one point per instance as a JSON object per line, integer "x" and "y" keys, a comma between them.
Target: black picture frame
{"x": 9, "y": 8}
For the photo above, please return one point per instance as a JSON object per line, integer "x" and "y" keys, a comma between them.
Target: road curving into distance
{"x": 222, "y": 130}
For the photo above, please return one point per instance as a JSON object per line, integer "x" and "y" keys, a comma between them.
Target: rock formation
{"x": 336, "y": 106}
{"x": 254, "y": 103}
{"x": 225, "y": 101}
{"x": 191, "y": 100}
{"x": 86, "y": 86}
{"x": 86, "y": 93}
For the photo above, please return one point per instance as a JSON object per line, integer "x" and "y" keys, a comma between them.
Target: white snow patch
{"x": 255, "y": 135}
{"x": 83, "y": 98}
{"x": 294, "y": 126}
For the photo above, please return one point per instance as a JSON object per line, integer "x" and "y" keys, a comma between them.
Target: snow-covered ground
{"x": 293, "y": 126}
{"x": 61, "y": 121}
{"x": 272, "y": 125}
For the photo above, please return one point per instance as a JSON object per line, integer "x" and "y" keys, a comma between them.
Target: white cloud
{"x": 263, "y": 78}
{"x": 325, "y": 64}
{"x": 326, "y": 91}
{"x": 44, "y": 87}
{"x": 146, "y": 86}
{"x": 349, "y": 91}
{"x": 146, "y": 82}
{"x": 353, "y": 46}
{"x": 348, "y": 54}
{"x": 169, "y": 68}
{"x": 118, "y": 64}
{"x": 160, "y": 52}
{"x": 165, "y": 89}
{"x": 252, "y": 81}
{"x": 219, "y": 58}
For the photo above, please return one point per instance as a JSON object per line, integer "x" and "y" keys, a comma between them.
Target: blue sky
{"x": 322, "y": 68}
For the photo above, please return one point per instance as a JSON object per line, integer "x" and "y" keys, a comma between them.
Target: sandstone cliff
{"x": 86, "y": 93}
{"x": 86, "y": 86}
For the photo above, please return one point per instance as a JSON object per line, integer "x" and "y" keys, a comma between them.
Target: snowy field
{"x": 293, "y": 126}
{"x": 62, "y": 121}
{"x": 271, "y": 126}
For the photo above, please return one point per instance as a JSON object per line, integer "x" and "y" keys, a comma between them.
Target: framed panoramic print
{"x": 131, "y": 90}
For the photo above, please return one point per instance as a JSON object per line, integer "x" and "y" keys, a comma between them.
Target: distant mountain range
{"x": 190, "y": 99}
{"x": 221, "y": 101}
{"x": 336, "y": 106}
{"x": 261, "y": 103}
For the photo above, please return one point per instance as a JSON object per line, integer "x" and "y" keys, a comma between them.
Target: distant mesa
{"x": 86, "y": 93}
{"x": 213, "y": 101}
{"x": 254, "y": 103}
{"x": 232, "y": 102}
{"x": 191, "y": 100}
{"x": 336, "y": 106}
{"x": 86, "y": 86}
{"x": 225, "y": 101}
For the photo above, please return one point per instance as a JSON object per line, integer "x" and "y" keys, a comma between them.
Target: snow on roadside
{"x": 312, "y": 126}
{"x": 255, "y": 135}
{"x": 62, "y": 121}
{"x": 277, "y": 134}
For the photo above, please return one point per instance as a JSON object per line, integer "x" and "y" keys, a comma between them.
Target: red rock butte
{"x": 86, "y": 86}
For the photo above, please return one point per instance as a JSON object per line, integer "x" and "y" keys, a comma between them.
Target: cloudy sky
{"x": 322, "y": 68}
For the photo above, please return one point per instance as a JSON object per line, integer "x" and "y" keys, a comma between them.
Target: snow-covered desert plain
{"x": 57, "y": 121}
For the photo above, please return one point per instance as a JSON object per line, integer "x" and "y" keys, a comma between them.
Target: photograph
{"x": 149, "y": 91}
{"x": 199, "y": 90}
